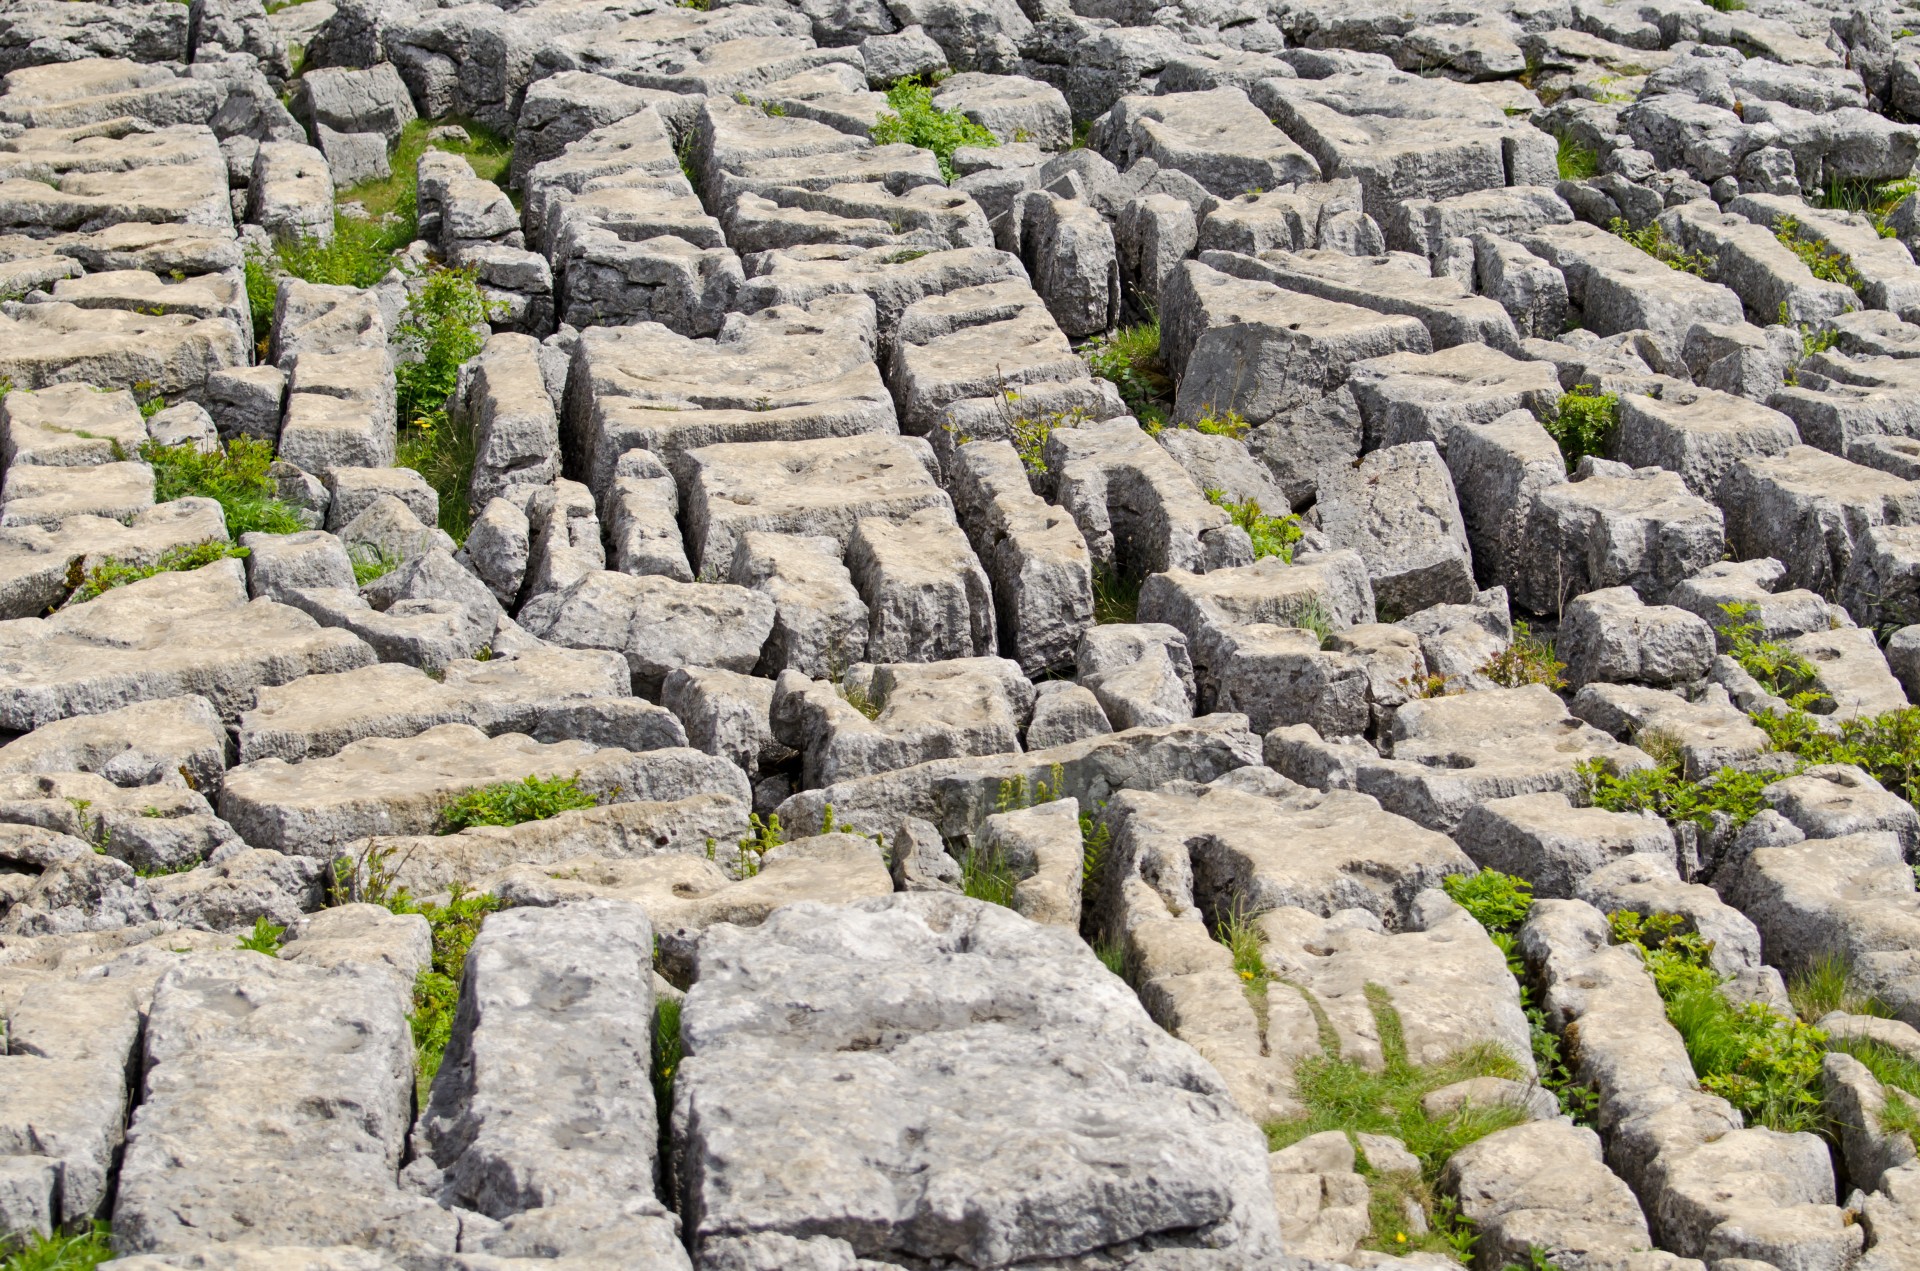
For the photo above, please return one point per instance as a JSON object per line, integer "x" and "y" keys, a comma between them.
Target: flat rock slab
{"x": 936, "y": 1077}
{"x": 383, "y": 786}
{"x": 167, "y": 636}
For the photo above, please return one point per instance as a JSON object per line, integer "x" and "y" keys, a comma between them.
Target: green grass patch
{"x": 1874, "y": 200}
{"x": 1271, "y": 535}
{"x": 371, "y": 562}
{"x": 915, "y": 121}
{"x": 1765, "y": 1064}
{"x": 1130, "y": 359}
{"x": 1826, "y": 985}
{"x": 1116, "y": 595}
{"x": 1577, "y": 162}
{"x": 112, "y": 572}
{"x": 234, "y": 475}
{"x": 1654, "y": 242}
{"x": 1343, "y": 1095}
{"x": 488, "y": 153}
{"x": 1583, "y": 423}
{"x": 985, "y": 875}
{"x": 1528, "y": 660}
{"x": 515, "y": 803}
{"x": 81, "y": 1251}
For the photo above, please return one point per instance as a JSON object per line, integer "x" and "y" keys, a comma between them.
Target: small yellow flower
{"x": 1246, "y": 975}
{"x": 1400, "y": 1237}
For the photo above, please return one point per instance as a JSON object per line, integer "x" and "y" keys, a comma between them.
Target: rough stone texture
{"x": 980, "y": 982}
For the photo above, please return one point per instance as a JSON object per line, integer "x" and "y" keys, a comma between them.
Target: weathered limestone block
{"x": 523, "y": 1075}
{"x": 1705, "y": 735}
{"x": 724, "y": 1105}
{"x": 825, "y": 487}
{"x": 1138, "y": 510}
{"x": 927, "y": 597}
{"x": 657, "y": 624}
{"x": 549, "y": 694}
{"x": 212, "y": 1140}
{"x": 1035, "y": 556}
{"x": 387, "y": 786}
{"x": 1553, "y": 845}
{"x": 1612, "y": 637}
{"x": 1810, "y": 510}
{"x": 167, "y": 636}
{"x": 1698, "y": 433}
{"x": 1613, "y": 528}
{"x": 820, "y": 623}
{"x": 1398, "y": 511}
{"x": 1447, "y": 754}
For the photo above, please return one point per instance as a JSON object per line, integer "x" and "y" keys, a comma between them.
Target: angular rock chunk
{"x": 216, "y": 1155}
{"x": 1553, "y": 845}
{"x": 1397, "y": 510}
{"x": 146, "y": 743}
{"x": 1611, "y": 636}
{"x": 656, "y": 623}
{"x": 1218, "y": 138}
{"x": 820, "y": 487}
{"x": 1447, "y": 754}
{"x": 1611, "y": 528}
{"x": 547, "y": 693}
{"x": 927, "y": 597}
{"x": 1810, "y": 510}
{"x": 524, "y": 1077}
{"x": 820, "y": 623}
{"x": 1209, "y": 1167}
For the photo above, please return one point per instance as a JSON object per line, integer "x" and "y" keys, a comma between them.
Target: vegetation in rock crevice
{"x": 531, "y": 798}
{"x": 1582, "y": 423}
{"x": 913, "y": 119}
{"x": 234, "y": 476}
{"x": 112, "y": 572}
{"x": 63, "y": 1251}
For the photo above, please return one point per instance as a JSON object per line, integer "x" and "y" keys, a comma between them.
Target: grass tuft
{"x": 81, "y": 1251}
{"x": 1528, "y": 660}
{"x": 1130, "y": 358}
{"x": 515, "y": 803}
{"x": 1116, "y": 595}
{"x": 1654, "y": 242}
{"x": 985, "y": 875}
{"x": 113, "y": 572}
{"x": 235, "y": 476}
{"x": 1271, "y": 535}
{"x": 1577, "y": 162}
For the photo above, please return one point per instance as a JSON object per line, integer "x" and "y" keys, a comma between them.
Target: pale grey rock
{"x": 1553, "y": 845}
{"x": 1398, "y": 511}
{"x": 723, "y": 1099}
{"x": 1610, "y": 636}
{"x": 657, "y": 624}
{"x": 385, "y": 786}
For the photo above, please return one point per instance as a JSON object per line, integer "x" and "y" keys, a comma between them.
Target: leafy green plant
{"x": 1528, "y": 660}
{"x": 762, "y": 837}
{"x": 1095, "y": 838}
{"x": 1029, "y": 434}
{"x": 78, "y": 1251}
{"x": 1828, "y": 264}
{"x": 985, "y": 875}
{"x": 262, "y": 290}
{"x": 1583, "y": 423}
{"x": 443, "y": 325}
{"x": 1271, "y": 535}
{"x": 1130, "y": 358}
{"x": 234, "y": 476}
{"x": 1897, "y": 1073}
{"x": 1238, "y": 929}
{"x": 359, "y": 253}
{"x": 1654, "y": 242}
{"x": 264, "y": 938}
{"x": 436, "y": 990}
{"x": 1663, "y": 791}
{"x": 1765, "y": 1064}
{"x": 914, "y": 120}
{"x": 1780, "y": 670}
{"x": 113, "y": 572}
{"x": 1577, "y": 162}
{"x": 1886, "y": 746}
{"x": 515, "y": 802}
{"x": 667, "y": 1053}
{"x": 1499, "y": 902}
{"x": 1215, "y": 424}
{"x": 1017, "y": 792}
